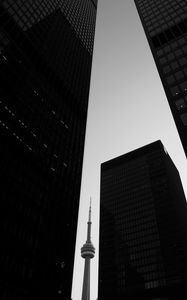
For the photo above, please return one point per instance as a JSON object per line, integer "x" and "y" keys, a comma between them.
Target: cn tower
{"x": 87, "y": 252}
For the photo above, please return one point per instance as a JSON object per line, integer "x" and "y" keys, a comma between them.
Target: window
{"x": 179, "y": 75}
{"x": 175, "y": 90}
{"x": 163, "y": 60}
{"x": 183, "y": 61}
{"x": 183, "y": 86}
{"x": 185, "y": 49}
{"x": 178, "y": 52}
{"x": 170, "y": 79}
{"x": 182, "y": 41}
{"x": 184, "y": 119}
{"x": 151, "y": 284}
{"x": 185, "y": 71}
{"x": 174, "y": 45}
{"x": 170, "y": 56}
{"x": 159, "y": 52}
{"x": 180, "y": 104}
{"x": 167, "y": 49}
{"x": 174, "y": 65}
{"x": 166, "y": 69}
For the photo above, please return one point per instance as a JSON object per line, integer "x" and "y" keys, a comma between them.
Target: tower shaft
{"x": 86, "y": 280}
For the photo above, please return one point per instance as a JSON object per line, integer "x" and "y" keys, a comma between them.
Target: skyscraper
{"x": 165, "y": 26}
{"x": 143, "y": 227}
{"x": 45, "y": 58}
{"x": 87, "y": 252}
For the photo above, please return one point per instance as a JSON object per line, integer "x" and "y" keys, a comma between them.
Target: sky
{"x": 127, "y": 110}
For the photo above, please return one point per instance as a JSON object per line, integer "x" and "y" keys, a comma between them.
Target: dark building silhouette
{"x": 143, "y": 227}
{"x": 45, "y": 64}
{"x": 165, "y": 26}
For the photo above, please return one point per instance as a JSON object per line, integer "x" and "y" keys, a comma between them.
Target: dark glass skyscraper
{"x": 143, "y": 227}
{"x": 165, "y": 25}
{"x": 45, "y": 64}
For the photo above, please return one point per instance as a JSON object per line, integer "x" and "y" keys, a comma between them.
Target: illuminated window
{"x": 183, "y": 86}
{"x": 180, "y": 104}
{"x": 175, "y": 91}
{"x": 29, "y": 147}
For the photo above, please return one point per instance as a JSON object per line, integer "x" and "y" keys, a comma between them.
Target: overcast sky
{"x": 127, "y": 109}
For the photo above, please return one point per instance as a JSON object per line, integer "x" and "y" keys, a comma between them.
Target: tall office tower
{"x": 87, "y": 252}
{"x": 45, "y": 64}
{"x": 165, "y": 25}
{"x": 143, "y": 227}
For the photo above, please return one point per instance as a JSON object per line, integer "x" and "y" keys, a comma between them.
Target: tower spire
{"x": 90, "y": 210}
{"x": 87, "y": 252}
{"x": 89, "y": 224}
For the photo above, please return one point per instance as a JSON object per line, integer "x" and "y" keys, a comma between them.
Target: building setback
{"x": 45, "y": 63}
{"x": 165, "y": 26}
{"x": 143, "y": 227}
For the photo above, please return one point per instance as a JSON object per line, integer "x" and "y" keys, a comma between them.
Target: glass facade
{"x": 165, "y": 25}
{"x": 81, "y": 15}
{"x": 142, "y": 227}
{"x": 45, "y": 64}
